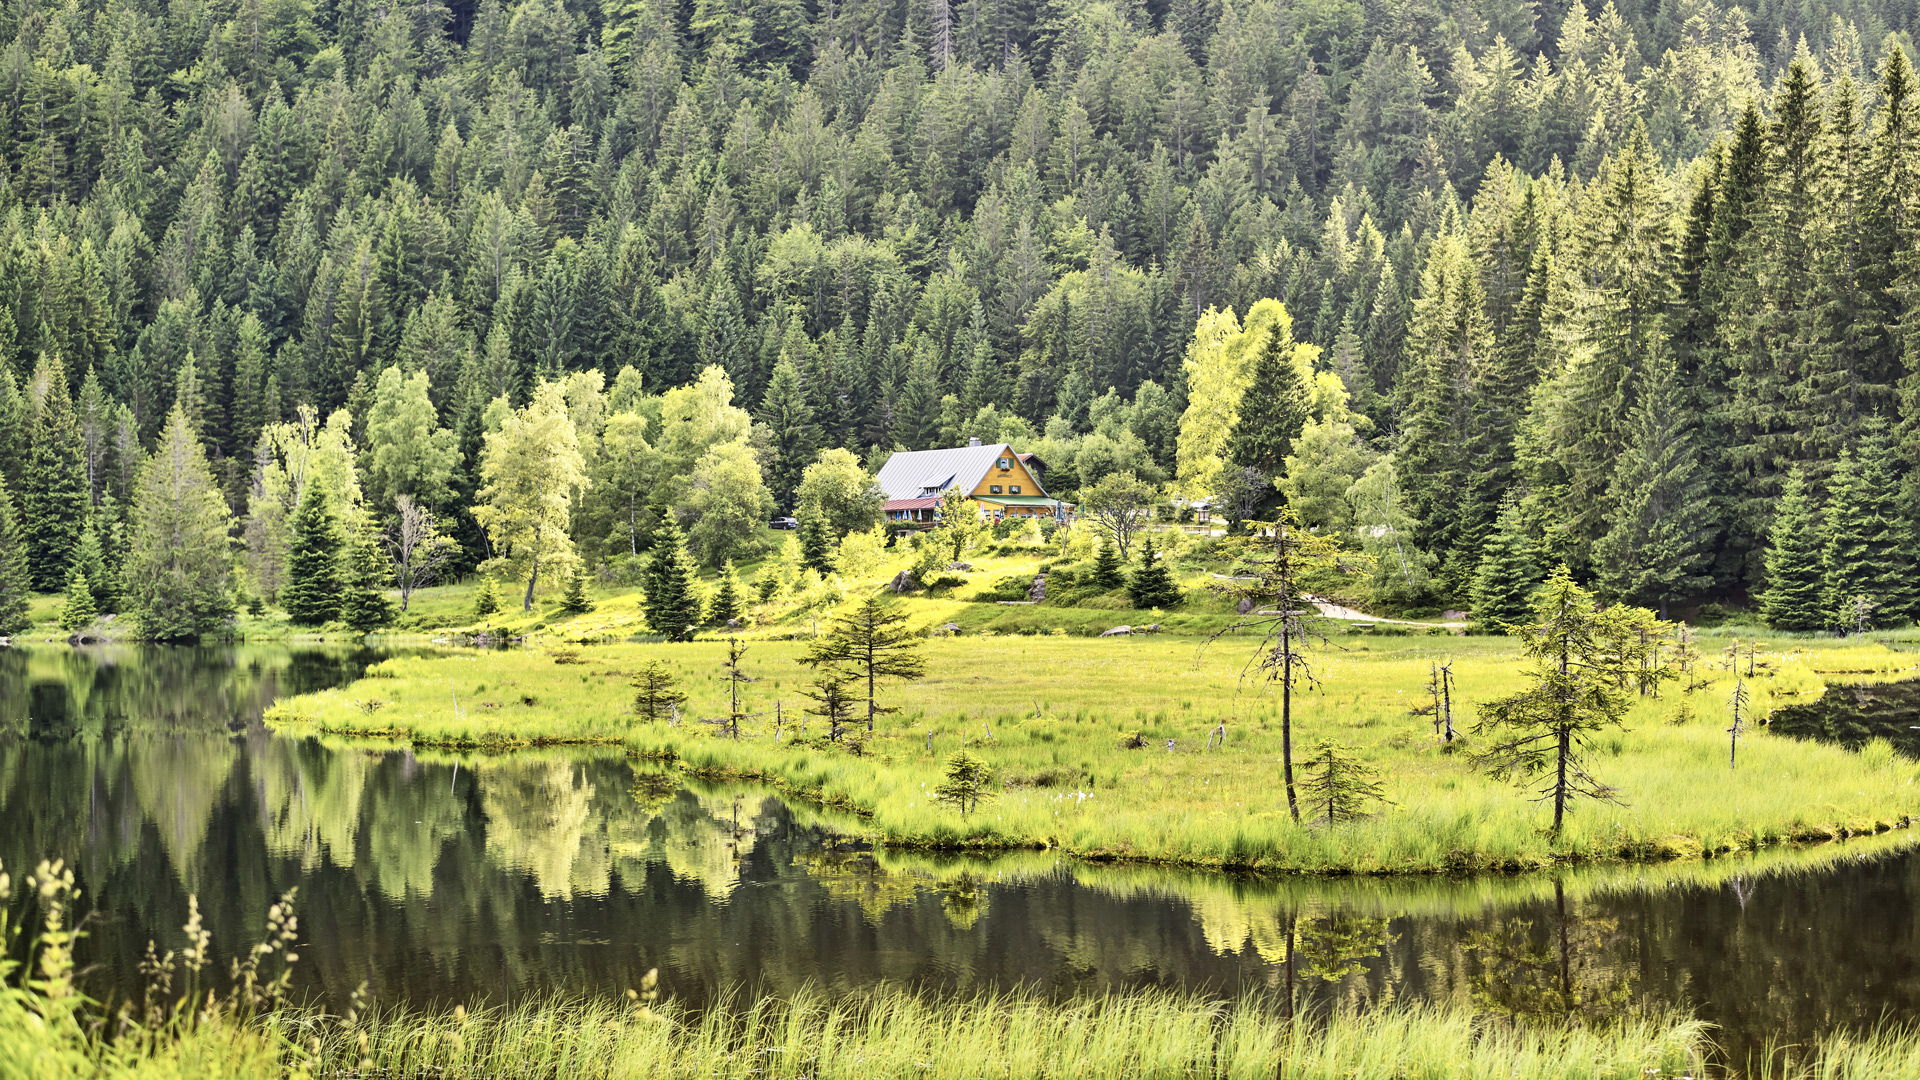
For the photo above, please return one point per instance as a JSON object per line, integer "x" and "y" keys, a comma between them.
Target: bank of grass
{"x": 1101, "y": 747}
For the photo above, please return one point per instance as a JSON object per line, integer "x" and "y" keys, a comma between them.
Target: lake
{"x": 439, "y": 878}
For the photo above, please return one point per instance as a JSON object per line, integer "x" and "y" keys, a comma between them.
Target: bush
{"x": 1011, "y": 587}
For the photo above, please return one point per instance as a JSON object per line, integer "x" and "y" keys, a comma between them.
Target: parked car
{"x": 784, "y": 523}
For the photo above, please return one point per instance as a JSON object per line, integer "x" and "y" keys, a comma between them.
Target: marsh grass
{"x": 1131, "y": 717}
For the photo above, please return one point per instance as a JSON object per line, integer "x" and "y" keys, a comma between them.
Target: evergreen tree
{"x": 1796, "y": 592}
{"x": 1274, "y": 407}
{"x": 179, "y": 572}
{"x": 816, "y": 541}
{"x": 1661, "y": 545}
{"x": 487, "y": 601}
{"x": 364, "y": 604}
{"x": 726, "y": 604}
{"x": 89, "y": 558}
{"x": 656, "y": 697}
{"x": 315, "y": 576}
{"x": 54, "y": 502}
{"x": 1338, "y": 783}
{"x": 1152, "y": 586}
{"x": 1862, "y": 550}
{"x": 795, "y": 437}
{"x": 77, "y": 612}
{"x": 1508, "y": 574}
{"x": 579, "y": 597}
{"x": 1108, "y": 572}
{"x": 672, "y": 603}
{"x": 16, "y": 586}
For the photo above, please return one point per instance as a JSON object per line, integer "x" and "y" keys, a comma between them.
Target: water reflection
{"x": 437, "y": 878}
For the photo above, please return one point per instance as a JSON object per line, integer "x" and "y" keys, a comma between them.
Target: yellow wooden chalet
{"x": 1000, "y": 482}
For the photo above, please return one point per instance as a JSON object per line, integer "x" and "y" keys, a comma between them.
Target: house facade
{"x": 1000, "y": 482}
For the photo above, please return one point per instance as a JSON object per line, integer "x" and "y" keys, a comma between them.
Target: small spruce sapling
{"x": 725, "y": 606}
{"x": 78, "y": 611}
{"x": 1740, "y": 703}
{"x": 1339, "y": 784}
{"x": 656, "y": 695}
{"x": 1107, "y": 572}
{"x": 969, "y": 782}
{"x": 578, "y": 599}
{"x": 1152, "y": 586}
{"x": 1440, "y": 707}
{"x": 832, "y": 700}
{"x": 736, "y": 677}
{"x": 487, "y": 601}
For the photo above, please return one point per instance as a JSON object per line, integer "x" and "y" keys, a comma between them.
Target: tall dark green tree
{"x": 1863, "y": 552}
{"x": 316, "y": 576}
{"x": 672, "y": 602}
{"x": 1660, "y": 548}
{"x": 816, "y": 541}
{"x": 367, "y": 574}
{"x": 54, "y": 501}
{"x": 1152, "y": 585}
{"x": 1508, "y": 574}
{"x": 179, "y": 571}
{"x": 1795, "y": 596}
{"x": 16, "y": 586}
{"x": 795, "y": 437}
{"x": 1274, "y": 408}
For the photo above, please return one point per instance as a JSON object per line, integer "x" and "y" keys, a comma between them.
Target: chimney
{"x": 974, "y": 441}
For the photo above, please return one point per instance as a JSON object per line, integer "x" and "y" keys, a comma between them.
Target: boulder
{"x": 950, "y": 629}
{"x": 1246, "y": 605}
{"x": 963, "y": 567}
{"x": 1150, "y": 628}
{"x": 1118, "y": 631}
{"x": 903, "y": 582}
{"x": 1453, "y": 616}
{"x": 1039, "y": 590}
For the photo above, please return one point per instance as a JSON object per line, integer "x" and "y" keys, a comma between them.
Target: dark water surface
{"x": 436, "y": 879}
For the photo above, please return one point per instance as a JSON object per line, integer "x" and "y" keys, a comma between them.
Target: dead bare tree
{"x": 417, "y": 547}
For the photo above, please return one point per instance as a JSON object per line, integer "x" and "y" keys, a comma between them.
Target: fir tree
{"x": 795, "y": 437}
{"x": 78, "y": 612}
{"x": 178, "y": 579}
{"x": 487, "y": 601}
{"x": 1862, "y": 553}
{"x": 656, "y": 697}
{"x": 1338, "y": 783}
{"x": 15, "y": 584}
{"x": 1796, "y": 591}
{"x": 1274, "y": 407}
{"x": 89, "y": 558}
{"x": 1152, "y": 586}
{"x": 315, "y": 576}
{"x": 54, "y": 504}
{"x": 673, "y": 601}
{"x": 1508, "y": 574}
{"x": 578, "y": 599}
{"x": 816, "y": 542}
{"x": 1108, "y": 571}
{"x": 1660, "y": 547}
{"x": 364, "y": 605}
{"x": 726, "y": 603}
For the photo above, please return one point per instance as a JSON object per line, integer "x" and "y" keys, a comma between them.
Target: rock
{"x": 1150, "y": 628}
{"x": 1039, "y": 590}
{"x": 1118, "y": 631}
{"x": 963, "y": 567}
{"x": 733, "y": 624}
{"x": 949, "y": 629}
{"x": 1245, "y": 606}
{"x": 903, "y": 582}
{"x": 1453, "y": 616}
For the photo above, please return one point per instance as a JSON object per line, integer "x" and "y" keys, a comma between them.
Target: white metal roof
{"x": 916, "y": 474}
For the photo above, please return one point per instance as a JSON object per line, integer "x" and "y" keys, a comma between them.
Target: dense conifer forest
{"x": 300, "y": 302}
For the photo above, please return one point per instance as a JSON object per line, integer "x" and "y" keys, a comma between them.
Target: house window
{"x": 1014, "y": 490}
{"x": 1006, "y": 463}
{"x": 994, "y": 489}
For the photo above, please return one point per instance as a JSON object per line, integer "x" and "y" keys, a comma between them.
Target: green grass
{"x": 1051, "y": 714}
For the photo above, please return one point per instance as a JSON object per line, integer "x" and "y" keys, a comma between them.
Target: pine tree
{"x": 726, "y": 604}
{"x": 673, "y": 601}
{"x": 816, "y": 541}
{"x": 1509, "y": 573}
{"x": 1862, "y": 554}
{"x": 1108, "y": 571}
{"x": 364, "y": 605}
{"x": 315, "y": 576}
{"x": 178, "y": 577}
{"x": 655, "y": 697}
{"x": 579, "y": 597}
{"x": 795, "y": 437}
{"x": 89, "y": 558}
{"x": 1152, "y": 586}
{"x": 1661, "y": 545}
{"x": 78, "y": 612}
{"x": 1795, "y": 588}
{"x": 16, "y": 586}
{"x": 1338, "y": 783}
{"x": 54, "y": 503}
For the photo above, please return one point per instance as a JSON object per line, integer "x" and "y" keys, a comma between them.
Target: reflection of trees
{"x": 858, "y": 877}
{"x": 537, "y": 816}
{"x": 701, "y": 838}
{"x": 177, "y": 779}
{"x": 1338, "y": 945}
{"x": 309, "y": 799}
{"x": 1560, "y": 974}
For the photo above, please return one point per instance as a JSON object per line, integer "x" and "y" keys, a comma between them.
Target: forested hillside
{"x": 1484, "y": 286}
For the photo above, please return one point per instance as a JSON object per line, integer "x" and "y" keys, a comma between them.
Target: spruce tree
{"x": 1274, "y": 407}
{"x": 726, "y": 604}
{"x": 816, "y": 542}
{"x": 315, "y": 576}
{"x": 1152, "y": 586}
{"x": 1862, "y": 551}
{"x": 54, "y": 503}
{"x": 78, "y": 611}
{"x": 1508, "y": 574}
{"x": 15, "y": 584}
{"x": 1108, "y": 571}
{"x": 90, "y": 559}
{"x": 673, "y": 601}
{"x": 178, "y": 579}
{"x": 1660, "y": 547}
{"x": 364, "y": 605}
{"x": 795, "y": 437}
{"x": 578, "y": 599}
{"x": 1795, "y": 588}
{"x": 487, "y": 601}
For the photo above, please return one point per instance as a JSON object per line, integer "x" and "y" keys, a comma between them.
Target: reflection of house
{"x": 1003, "y": 484}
